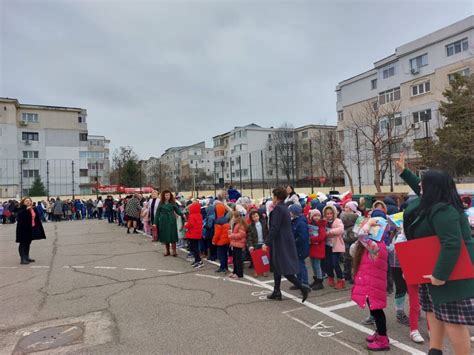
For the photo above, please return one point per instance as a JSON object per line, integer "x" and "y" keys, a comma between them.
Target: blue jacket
{"x": 208, "y": 223}
{"x": 234, "y": 195}
{"x": 301, "y": 234}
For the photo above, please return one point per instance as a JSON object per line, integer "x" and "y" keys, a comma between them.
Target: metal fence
{"x": 60, "y": 177}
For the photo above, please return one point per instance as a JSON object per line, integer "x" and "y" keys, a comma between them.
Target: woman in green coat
{"x": 438, "y": 211}
{"x": 165, "y": 219}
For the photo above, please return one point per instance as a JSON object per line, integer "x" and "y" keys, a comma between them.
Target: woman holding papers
{"x": 438, "y": 211}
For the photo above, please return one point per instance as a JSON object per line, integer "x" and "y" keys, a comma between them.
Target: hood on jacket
{"x": 378, "y": 213}
{"x": 331, "y": 207}
{"x": 384, "y": 206}
{"x": 388, "y": 200}
{"x": 313, "y": 213}
{"x": 195, "y": 208}
{"x": 220, "y": 210}
{"x": 467, "y": 199}
{"x": 295, "y": 209}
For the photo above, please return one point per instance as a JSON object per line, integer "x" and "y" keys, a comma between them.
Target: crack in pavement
{"x": 20, "y": 281}
{"x": 43, "y": 289}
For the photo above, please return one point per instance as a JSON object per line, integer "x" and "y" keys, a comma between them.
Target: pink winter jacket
{"x": 334, "y": 234}
{"x": 370, "y": 281}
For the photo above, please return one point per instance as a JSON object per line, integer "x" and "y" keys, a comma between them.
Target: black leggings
{"x": 238, "y": 259}
{"x": 400, "y": 283}
{"x": 194, "y": 248}
{"x": 380, "y": 320}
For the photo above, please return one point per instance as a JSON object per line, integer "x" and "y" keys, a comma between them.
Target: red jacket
{"x": 194, "y": 224}
{"x": 238, "y": 237}
{"x": 317, "y": 243}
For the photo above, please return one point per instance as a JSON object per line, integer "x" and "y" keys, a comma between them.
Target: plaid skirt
{"x": 458, "y": 312}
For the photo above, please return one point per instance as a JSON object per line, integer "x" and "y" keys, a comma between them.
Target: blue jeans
{"x": 303, "y": 274}
{"x": 317, "y": 271}
{"x": 222, "y": 254}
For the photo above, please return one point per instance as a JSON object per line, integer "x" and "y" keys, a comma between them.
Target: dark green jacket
{"x": 165, "y": 219}
{"x": 451, "y": 226}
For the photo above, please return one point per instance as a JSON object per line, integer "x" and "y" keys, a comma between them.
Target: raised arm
{"x": 411, "y": 179}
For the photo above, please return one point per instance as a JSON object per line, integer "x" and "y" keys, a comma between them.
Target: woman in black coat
{"x": 28, "y": 228}
{"x": 284, "y": 257}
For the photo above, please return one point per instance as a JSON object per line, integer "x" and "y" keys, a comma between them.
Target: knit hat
{"x": 295, "y": 209}
{"x": 378, "y": 213}
{"x": 352, "y": 205}
{"x": 378, "y": 202}
{"x": 313, "y": 213}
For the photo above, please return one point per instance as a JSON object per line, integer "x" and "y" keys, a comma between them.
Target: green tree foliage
{"x": 126, "y": 168}
{"x": 453, "y": 151}
{"x": 37, "y": 188}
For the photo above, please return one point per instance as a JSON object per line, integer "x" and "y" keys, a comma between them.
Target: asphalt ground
{"x": 129, "y": 299}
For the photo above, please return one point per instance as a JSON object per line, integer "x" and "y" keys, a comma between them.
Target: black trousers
{"x": 400, "y": 283}
{"x": 292, "y": 278}
{"x": 194, "y": 248}
{"x": 237, "y": 257}
{"x": 24, "y": 249}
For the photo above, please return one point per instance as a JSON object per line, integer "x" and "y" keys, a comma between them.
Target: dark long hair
{"x": 437, "y": 186}
{"x": 357, "y": 258}
{"x": 162, "y": 199}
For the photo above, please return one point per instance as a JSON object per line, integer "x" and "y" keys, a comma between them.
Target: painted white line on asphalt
{"x": 105, "y": 267}
{"x": 293, "y": 310}
{"x": 66, "y": 267}
{"x": 171, "y": 271}
{"x": 329, "y": 314}
{"x": 240, "y": 282}
{"x": 39, "y": 267}
{"x": 134, "y": 268}
{"x": 347, "y": 345}
{"x": 334, "y": 300}
{"x": 341, "y": 306}
{"x": 209, "y": 276}
{"x": 300, "y": 321}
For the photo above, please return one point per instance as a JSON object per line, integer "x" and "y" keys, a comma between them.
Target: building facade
{"x": 398, "y": 101}
{"x": 49, "y": 142}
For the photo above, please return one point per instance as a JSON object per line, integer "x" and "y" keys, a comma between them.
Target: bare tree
{"x": 282, "y": 143}
{"x": 382, "y": 129}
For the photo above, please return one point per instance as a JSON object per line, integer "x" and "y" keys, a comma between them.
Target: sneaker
{"x": 194, "y": 263}
{"x": 220, "y": 270}
{"x": 416, "y": 337}
{"x": 402, "y": 318}
{"x": 199, "y": 265}
{"x": 368, "y": 321}
{"x": 371, "y": 338}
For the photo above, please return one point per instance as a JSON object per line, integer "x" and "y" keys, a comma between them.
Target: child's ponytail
{"x": 356, "y": 259}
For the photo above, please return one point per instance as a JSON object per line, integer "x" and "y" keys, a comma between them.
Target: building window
{"x": 389, "y": 96}
{"x": 418, "y": 62}
{"x": 29, "y": 136}
{"x": 31, "y": 173}
{"x": 29, "y": 117}
{"x": 388, "y": 72}
{"x": 422, "y": 116}
{"x": 373, "y": 84}
{"x": 83, "y": 172}
{"x": 457, "y": 47}
{"x": 81, "y": 119}
{"x": 395, "y": 120}
{"x": 306, "y": 173}
{"x": 463, "y": 72}
{"x": 340, "y": 115}
{"x": 338, "y": 93}
{"x": 30, "y": 154}
{"x": 270, "y": 172}
{"x": 83, "y": 137}
{"x": 420, "y": 88}
{"x": 305, "y": 146}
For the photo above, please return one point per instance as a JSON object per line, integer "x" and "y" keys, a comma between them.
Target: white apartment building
{"x": 49, "y": 142}
{"x": 239, "y": 150}
{"x": 407, "y": 87}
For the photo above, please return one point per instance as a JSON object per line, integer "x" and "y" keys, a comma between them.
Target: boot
{"x": 381, "y": 343}
{"x": 24, "y": 261}
{"x": 331, "y": 282}
{"x": 315, "y": 280}
{"x": 318, "y": 285}
{"x": 371, "y": 338}
{"x": 30, "y": 260}
{"x": 276, "y": 295}
{"x": 340, "y": 285}
{"x": 435, "y": 352}
{"x": 167, "y": 249}
{"x": 305, "y": 290}
{"x": 173, "y": 245}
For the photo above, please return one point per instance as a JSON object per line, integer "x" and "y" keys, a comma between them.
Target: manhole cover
{"x": 50, "y": 338}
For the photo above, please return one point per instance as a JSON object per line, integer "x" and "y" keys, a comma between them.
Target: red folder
{"x": 418, "y": 258}
{"x": 261, "y": 260}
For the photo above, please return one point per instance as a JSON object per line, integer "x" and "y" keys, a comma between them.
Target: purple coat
{"x": 370, "y": 282}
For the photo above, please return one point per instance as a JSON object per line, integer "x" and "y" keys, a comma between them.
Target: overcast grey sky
{"x": 156, "y": 74}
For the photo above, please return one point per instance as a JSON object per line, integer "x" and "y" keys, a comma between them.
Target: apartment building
{"x": 238, "y": 152}
{"x": 399, "y": 100}
{"x": 98, "y": 162}
{"x": 180, "y": 166}
{"x": 50, "y": 142}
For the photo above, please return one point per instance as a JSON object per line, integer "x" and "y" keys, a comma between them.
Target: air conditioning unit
{"x": 415, "y": 71}
{"x": 27, "y": 142}
{"x": 416, "y": 125}
{"x": 23, "y": 123}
